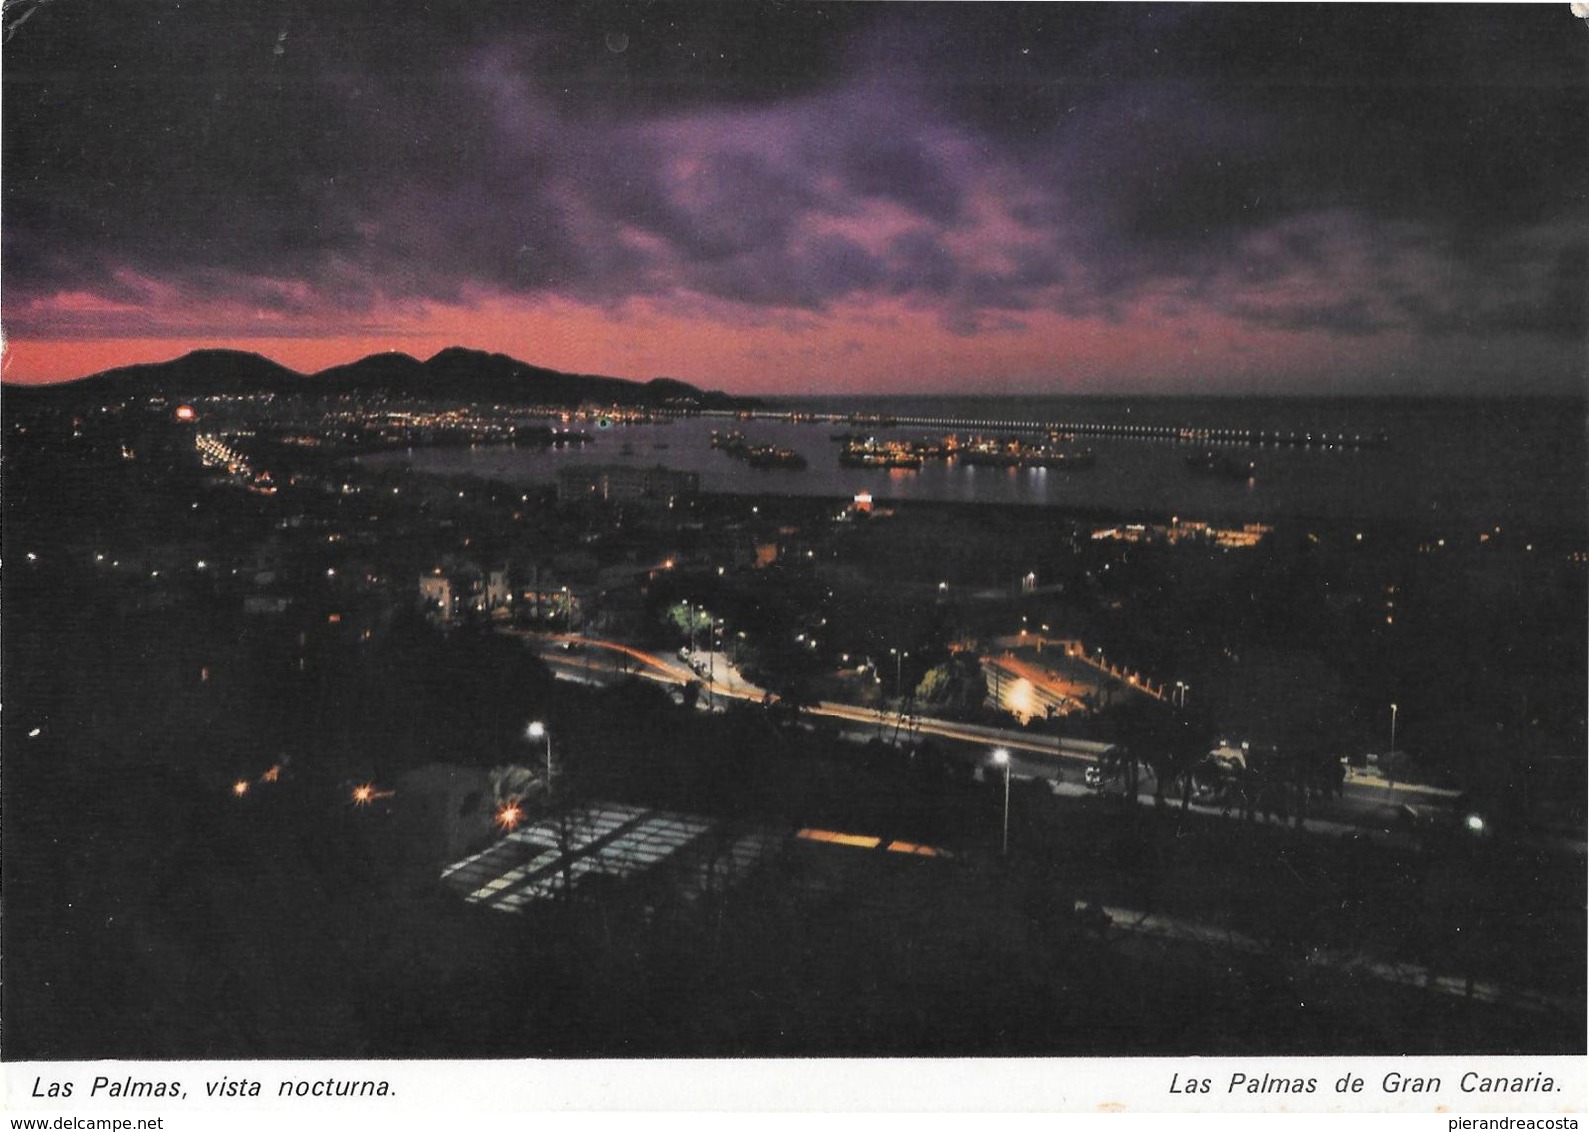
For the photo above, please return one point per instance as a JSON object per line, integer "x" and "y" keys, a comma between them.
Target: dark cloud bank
{"x": 1356, "y": 170}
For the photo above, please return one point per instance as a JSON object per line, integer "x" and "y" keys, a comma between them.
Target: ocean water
{"x": 1447, "y": 467}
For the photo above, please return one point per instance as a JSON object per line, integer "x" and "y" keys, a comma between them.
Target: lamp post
{"x": 711, "y": 663}
{"x": 537, "y": 730}
{"x": 1002, "y": 757}
{"x": 1389, "y": 766}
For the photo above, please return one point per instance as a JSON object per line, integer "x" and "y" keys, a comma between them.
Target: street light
{"x": 899, "y": 660}
{"x": 1002, "y": 758}
{"x": 1393, "y": 729}
{"x": 711, "y": 661}
{"x": 537, "y": 730}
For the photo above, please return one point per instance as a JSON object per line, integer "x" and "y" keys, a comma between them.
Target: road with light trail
{"x": 1372, "y": 804}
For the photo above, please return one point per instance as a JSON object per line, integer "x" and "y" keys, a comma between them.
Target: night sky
{"x": 775, "y": 198}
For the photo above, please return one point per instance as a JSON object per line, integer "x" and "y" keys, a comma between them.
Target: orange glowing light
{"x": 831, "y": 837}
{"x": 363, "y": 794}
{"x": 271, "y": 775}
{"x": 186, "y": 413}
{"x": 508, "y": 816}
{"x": 239, "y": 788}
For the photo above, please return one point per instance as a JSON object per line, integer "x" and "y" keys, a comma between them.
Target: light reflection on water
{"x": 1469, "y": 465}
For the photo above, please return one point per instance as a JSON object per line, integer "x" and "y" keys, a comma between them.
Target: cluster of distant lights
{"x": 493, "y": 419}
{"x": 214, "y": 452}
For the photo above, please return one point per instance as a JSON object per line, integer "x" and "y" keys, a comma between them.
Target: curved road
{"x": 1372, "y": 805}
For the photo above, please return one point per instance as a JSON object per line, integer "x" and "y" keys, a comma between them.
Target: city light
{"x": 239, "y": 788}
{"x": 509, "y": 815}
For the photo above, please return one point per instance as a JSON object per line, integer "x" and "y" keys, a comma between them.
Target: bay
{"x": 1447, "y": 468}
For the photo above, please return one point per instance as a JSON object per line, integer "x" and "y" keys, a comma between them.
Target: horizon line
{"x": 1579, "y": 395}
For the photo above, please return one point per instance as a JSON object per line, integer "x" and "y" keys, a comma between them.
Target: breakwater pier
{"x": 1203, "y": 435}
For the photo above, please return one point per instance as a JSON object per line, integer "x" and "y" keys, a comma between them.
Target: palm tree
{"x": 1170, "y": 742}
{"x": 1137, "y": 738}
{"x": 1190, "y": 738}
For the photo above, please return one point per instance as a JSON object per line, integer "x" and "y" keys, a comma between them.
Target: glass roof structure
{"x": 607, "y": 840}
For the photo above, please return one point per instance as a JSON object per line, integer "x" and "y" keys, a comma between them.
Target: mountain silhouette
{"x": 453, "y": 374}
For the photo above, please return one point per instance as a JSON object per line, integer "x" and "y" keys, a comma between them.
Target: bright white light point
{"x": 1001, "y": 756}
{"x": 34, "y": 734}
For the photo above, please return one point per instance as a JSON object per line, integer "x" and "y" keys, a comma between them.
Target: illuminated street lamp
{"x": 713, "y": 625}
{"x": 537, "y": 730}
{"x": 1002, "y": 758}
{"x": 1388, "y": 765}
{"x": 899, "y": 660}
